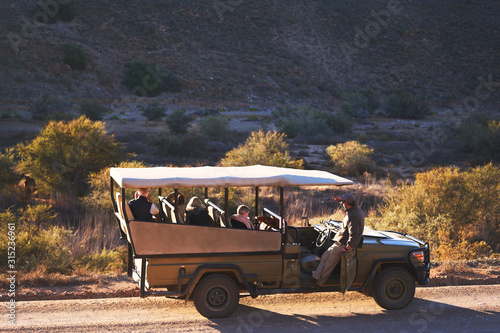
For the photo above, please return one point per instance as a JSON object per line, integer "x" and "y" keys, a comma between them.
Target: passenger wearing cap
{"x": 347, "y": 238}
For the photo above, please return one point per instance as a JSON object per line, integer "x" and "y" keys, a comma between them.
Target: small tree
{"x": 146, "y": 80}
{"x": 214, "y": 127}
{"x": 351, "y": 157}
{"x": 153, "y": 111}
{"x": 74, "y": 57}
{"x": 178, "y": 121}
{"x": 48, "y": 107}
{"x": 7, "y": 175}
{"x": 93, "y": 110}
{"x": 403, "y": 104}
{"x": 360, "y": 104}
{"x": 262, "y": 148}
{"x": 64, "y": 153}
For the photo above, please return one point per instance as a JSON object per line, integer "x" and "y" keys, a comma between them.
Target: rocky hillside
{"x": 259, "y": 52}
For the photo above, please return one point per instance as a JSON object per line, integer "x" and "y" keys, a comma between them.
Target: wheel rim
{"x": 395, "y": 289}
{"x": 217, "y": 297}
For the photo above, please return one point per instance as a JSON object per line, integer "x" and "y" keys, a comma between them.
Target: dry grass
{"x": 454, "y": 266}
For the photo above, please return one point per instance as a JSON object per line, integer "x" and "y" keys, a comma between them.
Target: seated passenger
{"x": 142, "y": 206}
{"x": 197, "y": 214}
{"x": 240, "y": 220}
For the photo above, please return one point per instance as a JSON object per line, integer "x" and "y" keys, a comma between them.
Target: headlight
{"x": 419, "y": 255}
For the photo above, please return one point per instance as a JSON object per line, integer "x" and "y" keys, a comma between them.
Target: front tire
{"x": 394, "y": 288}
{"x": 216, "y": 296}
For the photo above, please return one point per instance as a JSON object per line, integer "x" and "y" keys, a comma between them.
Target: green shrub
{"x": 93, "y": 110}
{"x": 182, "y": 145}
{"x": 62, "y": 156}
{"x": 262, "y": 148}
{"x": 214, "y": 127}
{"x": 38, "y": 244}
{"x": 48, "y": 107}
{"x": 146, "y": 80}
{"x": 479, "y": 136}
{"x": 351, "y": 158}
{"x": 153, "y": 111}
{"x": 7, "y": 175}
{"x": 403, "y": 104}
{"x": 457, "y": 212}
{"x": 310, "y": 122}
{"x": 178, "y": 121}
{"x": 360, "y": 104}
{"x": 106, "y": 261}
{"x": 74, "y": 56}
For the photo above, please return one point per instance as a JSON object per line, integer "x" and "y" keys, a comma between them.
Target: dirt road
{"x": 436, "y": 309}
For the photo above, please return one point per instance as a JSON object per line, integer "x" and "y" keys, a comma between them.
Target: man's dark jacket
{"x": 352, "y": 227}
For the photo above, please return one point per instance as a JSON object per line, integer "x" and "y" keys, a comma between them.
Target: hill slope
{"x": 257, "y": 51}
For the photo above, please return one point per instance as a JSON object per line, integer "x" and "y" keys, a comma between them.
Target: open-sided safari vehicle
{"x": 213, "y": 264}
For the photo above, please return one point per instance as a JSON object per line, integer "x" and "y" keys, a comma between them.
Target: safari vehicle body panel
{"x": 214, "y": 262}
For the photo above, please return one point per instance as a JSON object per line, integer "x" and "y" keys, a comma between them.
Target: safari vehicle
{"x": 214, "y": 264}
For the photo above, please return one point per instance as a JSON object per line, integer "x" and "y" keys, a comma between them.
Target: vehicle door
{"x": 348, "y": 269}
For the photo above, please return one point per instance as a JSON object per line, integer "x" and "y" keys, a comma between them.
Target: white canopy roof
{"x": 209, "y": 176}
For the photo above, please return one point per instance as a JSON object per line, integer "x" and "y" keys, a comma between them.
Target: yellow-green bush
{"x": 106, "y": 261}
{"x": 64, "y": 153}
{"x": 36, "y": 243}
{"x": 457, "y": 211}
{"x": 351, "y": 158}
{"x": 262, "y": 148}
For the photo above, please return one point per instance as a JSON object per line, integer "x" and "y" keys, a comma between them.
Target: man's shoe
{"x": 310, "y": 282}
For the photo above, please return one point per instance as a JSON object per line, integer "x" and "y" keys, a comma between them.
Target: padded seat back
{"x": 181, "y": 207}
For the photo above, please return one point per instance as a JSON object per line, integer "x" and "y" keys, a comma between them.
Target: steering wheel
{"x": 323, "y": 236}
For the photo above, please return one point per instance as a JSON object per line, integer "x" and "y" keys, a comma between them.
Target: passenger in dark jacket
{"x": 197, "y": 214}
{"x": 142, "y": 206}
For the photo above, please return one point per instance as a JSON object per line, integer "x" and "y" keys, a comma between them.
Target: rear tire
{"x": 394, "y": 288}
{"x": 216, "y": 296}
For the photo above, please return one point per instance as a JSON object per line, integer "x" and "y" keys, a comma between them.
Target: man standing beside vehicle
{"x": 347, "y": 238}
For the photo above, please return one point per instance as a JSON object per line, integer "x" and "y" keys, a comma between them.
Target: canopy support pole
{"x": 256, "y": 201}
{"x": 226, "y": 205}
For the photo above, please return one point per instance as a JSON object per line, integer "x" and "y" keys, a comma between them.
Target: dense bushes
{"x": 302, "y": 121}
{"x": 74, "y": 57}
{"x": 262, "y": 148}
{"x": 457, "y": 212}
{"x": 351, "y": 158}
{"x": 403, "y": 104}
{"x": 64, "y": 153}
{"x": 48, "y": 107}
{"x": 93, "y": 110}
{"x": 153, "y": 111}
{"x": 479, "y": 136}
{"x": 179, "y": 121}
{"x": 214, "y": 127}
{"x": 38, "y": 243}
{"x": 146, "y": 80}
{"x": 7, "y": 174}
{"x": 360, "y": 104}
